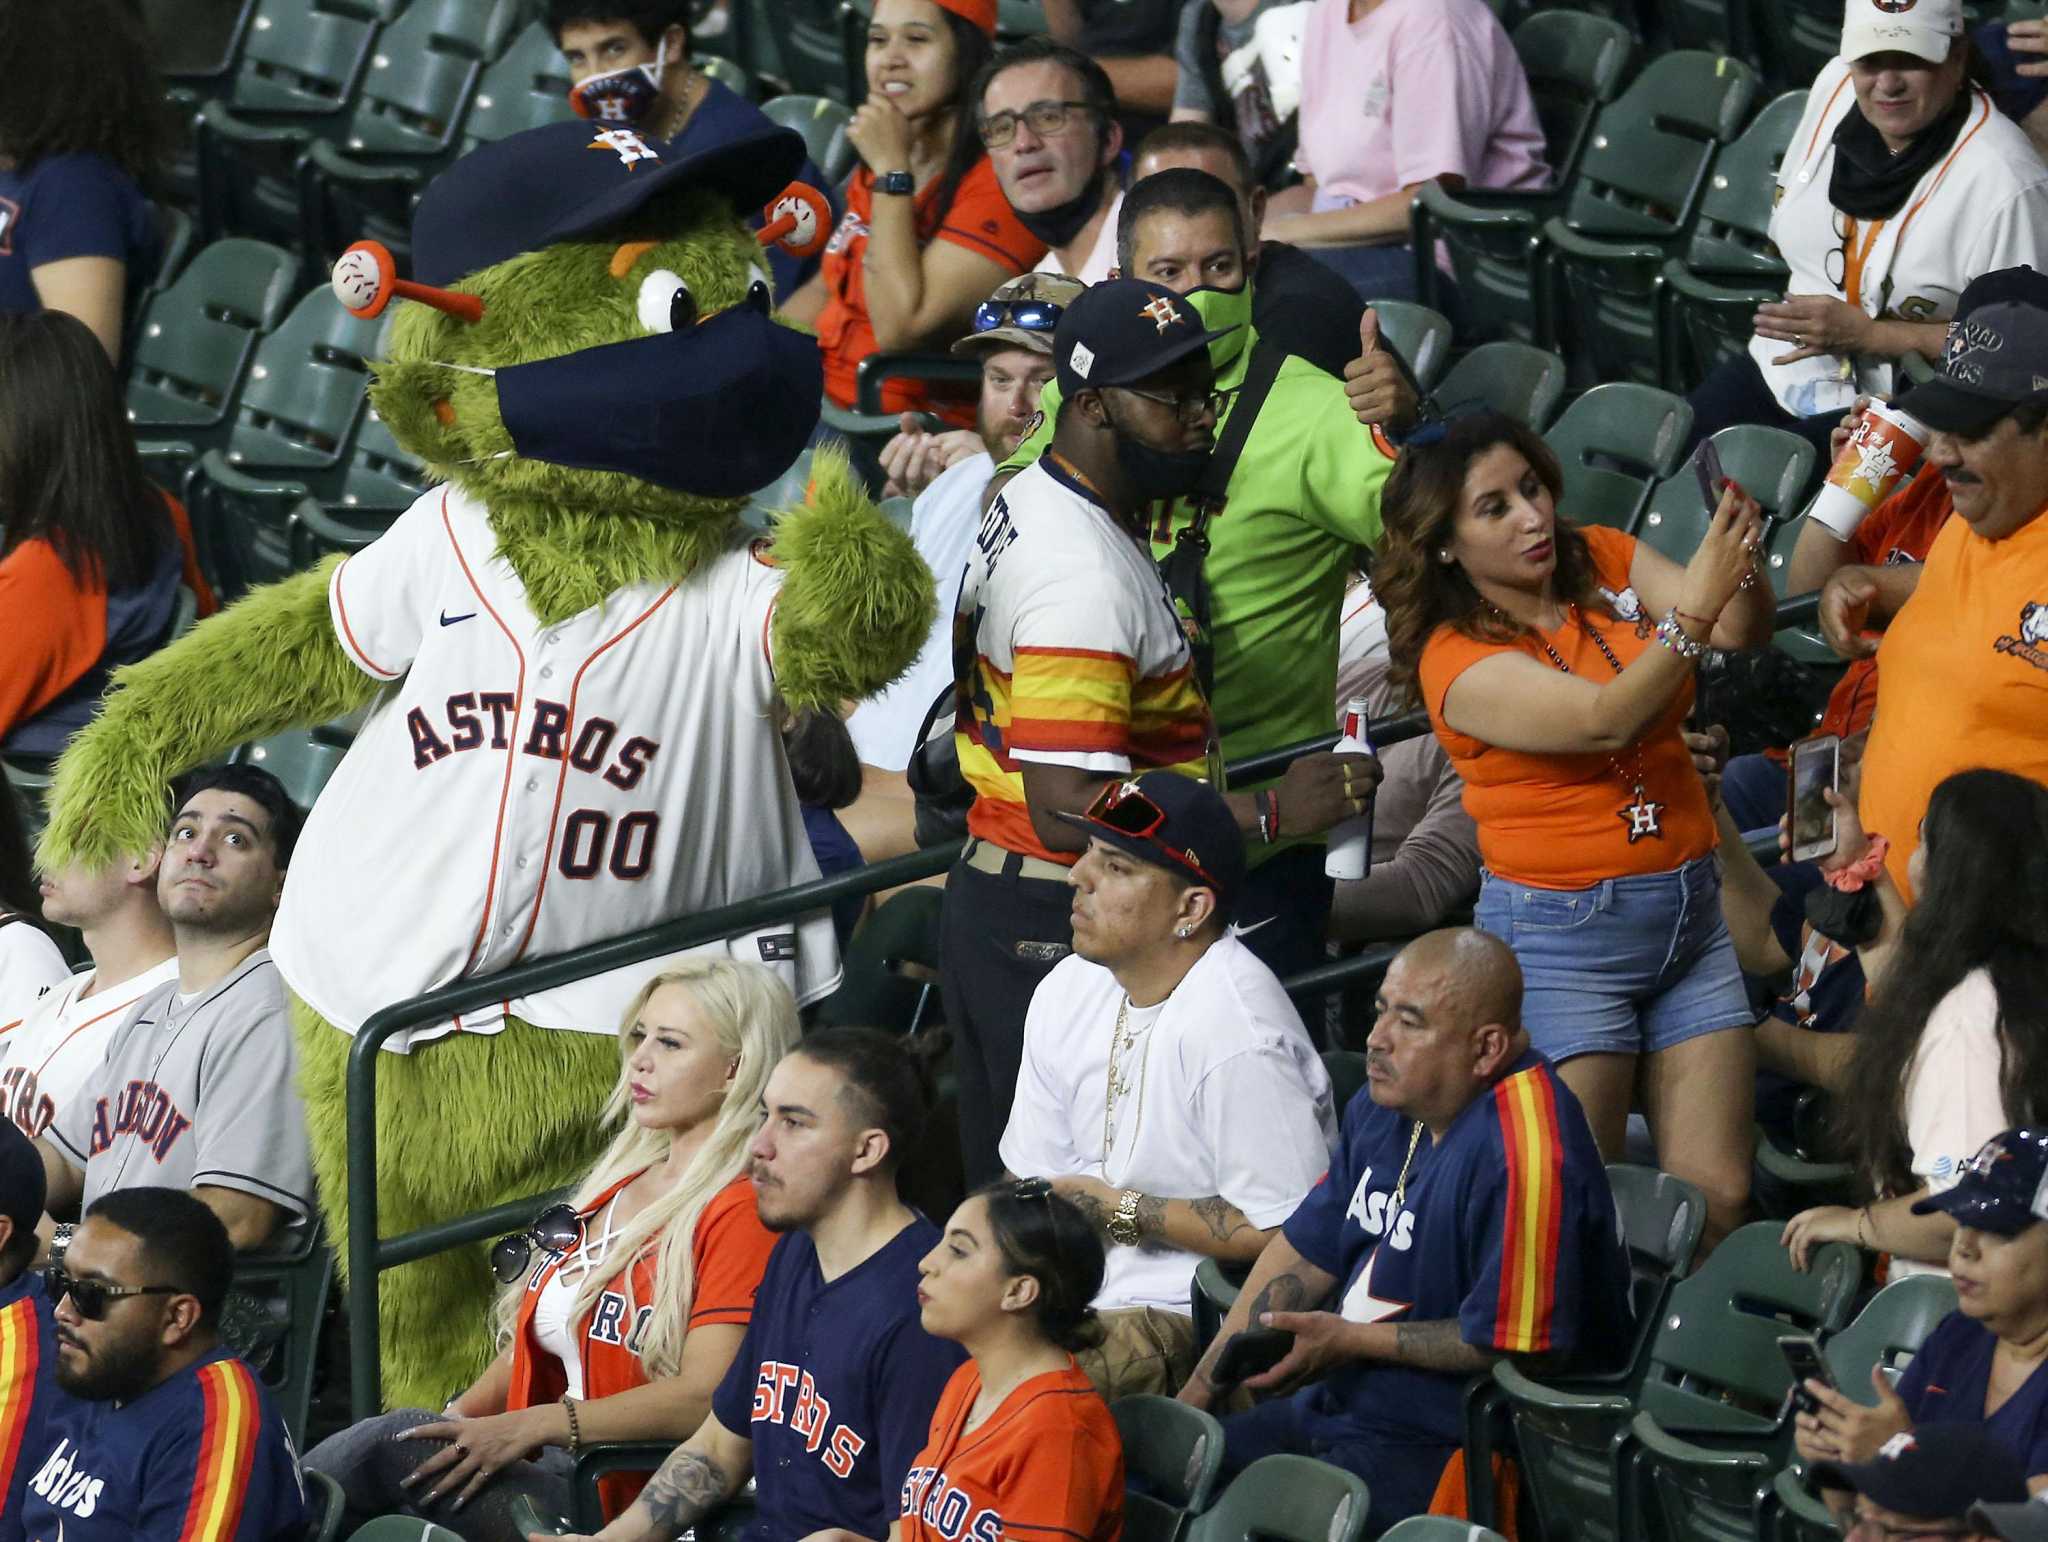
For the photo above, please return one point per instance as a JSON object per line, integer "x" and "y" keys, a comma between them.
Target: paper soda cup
{"x": 1880, "y": 455}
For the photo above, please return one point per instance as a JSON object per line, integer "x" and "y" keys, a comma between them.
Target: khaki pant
{"x": 1143, "y": 1349}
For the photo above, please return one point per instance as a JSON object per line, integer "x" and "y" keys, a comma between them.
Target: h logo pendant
{"x": 1642, "y": 816}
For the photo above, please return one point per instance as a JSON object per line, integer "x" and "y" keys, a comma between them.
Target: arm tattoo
{"x": 1283, "y": 1293}
{"x": 1223, "y": 1219}
{"x": 1150, "y": 1216}
{"x": 688, "y": 1486}
{"x": 1437, "y": 1346}
{"x": 1093, "y": 1211}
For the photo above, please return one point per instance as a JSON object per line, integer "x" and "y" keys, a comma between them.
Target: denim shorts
{"x": 1628, "y": 967}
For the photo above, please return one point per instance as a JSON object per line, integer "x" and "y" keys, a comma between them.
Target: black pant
{"x": 1735, "y": 392}
{"x": 999, "y": 935}
{"x": 1291, "y": 895}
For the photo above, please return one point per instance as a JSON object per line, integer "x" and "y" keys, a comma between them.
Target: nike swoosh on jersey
{"x": 448, "y": 620}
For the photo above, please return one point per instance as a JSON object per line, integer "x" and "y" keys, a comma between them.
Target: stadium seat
{"x": 875, "y": 992}
{"x": 301, "y": 758}
{"x": 402, "y": 1528}
{"x": 1439, "y": 1528}
{"x": 1721, "y": 26}
{"x": 1771, "y": 464}
{"x": 317, "y": 531}
{"x": 726, "y": 72}
{"x": 822, "y": 122}
{"x": 288, "y": 1286}
{"x": 1347, "y": 1076}
{"x": 1576, "y": 63}
{"x": 196, "y": 46}
{"x": 1172, "y": 1455}
{"x": 242, "y": 525}
{"x": 195, "y": 340}
{"x": 1614, "y": 443}
{"x": 1714, "y": 1375}
{"x": 1796, "y": 1514}
{"x": 1421, "y": 336}
{"x": 1730, "y": 267}
{"x": 1700, "y": 1491}
{"x": 1524, "y": 382}
{"x": 1019, "y": 19}
{"x": 1799, "y": 38}
{"x": 178, "y": 233}
{"x": 361, "y": 181}
{"x": 527, "y": 88}
{"x": 1495, "y": 246}
{"x": 1796, "y": 1175}
{"x": 381, "y": 475}
{"x": 300, "y": 66}
{"x": 325, "y": 1505}
{"x": 1635, "y": 193}
{"x": 1287, "y": 1499}
{"x": 304, "y": 391}
{"x": 1214, "y": 1292}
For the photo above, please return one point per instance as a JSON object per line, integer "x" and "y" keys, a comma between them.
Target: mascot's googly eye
{"x": 666, "y": 304}
{"x": 760, "y": 293}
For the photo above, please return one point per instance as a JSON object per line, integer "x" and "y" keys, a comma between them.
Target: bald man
{"x": 1465, "y": 1217}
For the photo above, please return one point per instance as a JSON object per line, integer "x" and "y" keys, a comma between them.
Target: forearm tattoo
{"x": 1150, "y": 1217}
{"x": 1283, "y": 1293}
{"x": 1437, "y": 1346}
{"x": 1093, "y": 1210}
{"x": 688, "y": 1486}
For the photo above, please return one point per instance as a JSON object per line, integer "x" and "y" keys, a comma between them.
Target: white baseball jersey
{"x": 524, "y": 789}
{"x": 1981, "y": 207}
{"x": 47, "y": 1056}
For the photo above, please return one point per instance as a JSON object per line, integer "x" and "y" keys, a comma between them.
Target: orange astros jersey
{"x": 1047, "y": 1464}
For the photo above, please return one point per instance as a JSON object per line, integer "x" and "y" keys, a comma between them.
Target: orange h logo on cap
{"x": 1160, "y": 312}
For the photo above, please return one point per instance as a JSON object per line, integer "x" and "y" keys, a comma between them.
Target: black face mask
{"x": 1061, "y": 223}
{"x": 1157, "y": 475}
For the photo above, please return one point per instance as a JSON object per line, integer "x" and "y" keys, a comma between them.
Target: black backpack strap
{"x": 1181, "y": 567}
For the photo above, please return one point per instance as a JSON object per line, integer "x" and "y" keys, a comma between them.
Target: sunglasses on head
{"x": 1122, "y": 807}
{"x": 555, "y": 1230}
{"x": 91, "y": 1298}
{"x": 1027, "y": 315}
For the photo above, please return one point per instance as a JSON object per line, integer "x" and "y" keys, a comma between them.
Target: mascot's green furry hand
{"x": 856, "y": 603}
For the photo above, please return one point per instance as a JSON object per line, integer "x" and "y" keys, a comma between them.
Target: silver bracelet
{"x": 1672, "y": 636}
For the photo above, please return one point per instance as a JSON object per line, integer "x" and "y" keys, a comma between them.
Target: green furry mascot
{"x": 573, "y": 658}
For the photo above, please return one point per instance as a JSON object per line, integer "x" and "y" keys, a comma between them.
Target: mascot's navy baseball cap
{"x": 564, "y": 180}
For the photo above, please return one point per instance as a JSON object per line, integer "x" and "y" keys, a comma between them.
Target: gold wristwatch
{"x": 1123, "y": 1225}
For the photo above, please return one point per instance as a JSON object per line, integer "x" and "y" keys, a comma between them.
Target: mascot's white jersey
{"x": 521, "y": 789}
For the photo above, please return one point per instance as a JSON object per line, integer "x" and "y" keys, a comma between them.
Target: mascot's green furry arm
{"x": 595, "y": 373}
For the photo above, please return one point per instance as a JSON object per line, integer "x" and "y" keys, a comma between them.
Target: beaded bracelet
{"x": 575, "y": 1426}
{"x": 1672, "y": 636}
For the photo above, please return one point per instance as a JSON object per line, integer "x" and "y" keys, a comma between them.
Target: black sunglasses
{"x": 91, "y": 1298}
{"x": 1026, "y": 315}
{"x": 556, "y": 1230}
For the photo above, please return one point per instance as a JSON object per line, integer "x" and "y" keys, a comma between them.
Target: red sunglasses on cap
{"x": 1124, "y": 808}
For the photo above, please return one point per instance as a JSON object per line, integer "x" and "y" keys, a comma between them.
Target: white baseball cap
{"x": 1926, "y": 29}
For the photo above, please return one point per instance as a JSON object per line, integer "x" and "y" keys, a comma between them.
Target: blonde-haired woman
{"x": 624, "y": 1306}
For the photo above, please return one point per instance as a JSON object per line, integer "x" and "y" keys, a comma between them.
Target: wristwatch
{"x": 1122, "y": 1227}
{"x": 898, "y": 184}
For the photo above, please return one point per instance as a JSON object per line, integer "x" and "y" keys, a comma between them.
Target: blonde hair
{"x": 754, "y": 1016}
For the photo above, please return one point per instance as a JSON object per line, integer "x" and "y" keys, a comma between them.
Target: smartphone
{"x": 1706, "y": 465}
{"x": 1816, "y": 769}
{"x": 1252, "y": 1353}
{"x": 1802, "y": 1355}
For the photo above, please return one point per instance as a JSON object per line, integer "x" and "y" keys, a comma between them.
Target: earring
{"x": 1443, "y": 554}
{"x": 1184, "y": 932}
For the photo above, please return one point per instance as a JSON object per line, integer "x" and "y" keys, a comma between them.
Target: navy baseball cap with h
{"x": 1171, "y": 821}
{"x": 1122, "y": 331}
{"x": 1995, "y": 357}
{"x": 2001, "y": 1188}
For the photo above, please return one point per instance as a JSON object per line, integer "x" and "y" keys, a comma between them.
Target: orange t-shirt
{"x": 1962, "y": 679}
{"x": 728, "y": 1254}
{"x": 1560, "y": 821}
{"x": 56, "y": 627}
{"x": 1048, "y": 1463}
{"x": 979, "y": 220}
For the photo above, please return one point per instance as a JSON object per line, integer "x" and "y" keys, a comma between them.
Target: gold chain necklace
{"x": 1118, "y": 1086}
{"x": 1401, "y": 1182}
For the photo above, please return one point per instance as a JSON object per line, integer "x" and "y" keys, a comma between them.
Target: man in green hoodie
{"x": 1302, "y": 494}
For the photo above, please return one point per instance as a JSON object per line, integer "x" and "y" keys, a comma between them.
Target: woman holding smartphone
{"x": 1556, "y": 665}
{"x": 1021, "y": 1443}
{"x": 1952, "y": 1043}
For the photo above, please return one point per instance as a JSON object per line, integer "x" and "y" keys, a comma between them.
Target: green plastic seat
{"x": 1798, "y": 1174}
{"x": 1773, "y": 465}
{"x": 381, "y": 475}
{"x": 1213, "y": 1294}
{"x": 1795, "y": 1513}
{"x": 1495, "y": 244}
{"x": 1175, "y": 1452}
{"x": 301, "y": 758}
{"x": 402, "y": 1528}
{"x": 1715, "y": 1376}
{"x": 1799, "y": 37}
{"x": 875, "y": 993}
{"x": 822, "y": 122}
{"x": 1641, "y": 179}
{"x": 195, "y": 339}
{"x": 1287, "y": 1499}
{"x": 1576, "y": 63}
{"x": 1347, "y": 1076}
{"x": 242, "y": 525}
{"x": 1721, "y": 26}
{"x": 1421, "y": 336}
{"x": 527, "y": 87}
{"x": 317, "y": 532}
{"x": 1729, "y": 267}
{"x": 283, "y": 1294}
{"x": 1439, "y": 1528}
{"x": 324, "y": 1503}
{"x": 304, "y": 391}
{"x": 1614, "y": 443}
{"x": 1017, "y": 19}
{"x": 1522, "y": 381}
{"x": 727, "y": 72}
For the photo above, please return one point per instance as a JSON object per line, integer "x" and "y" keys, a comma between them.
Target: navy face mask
{"x": 719, "y": 409}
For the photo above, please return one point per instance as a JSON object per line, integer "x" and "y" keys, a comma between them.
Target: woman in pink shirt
{"x": 1396, "y": 94}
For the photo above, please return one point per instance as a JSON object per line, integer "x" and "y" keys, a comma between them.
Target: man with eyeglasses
{"x": 1048, "y": 118}
{"x": 1924, "y": 1484}
{"x": 1070, "y": 665}
{"x": 1258, "y": 575}
{"x": 1168, "y": 1088}
{"x": 164, "y": 1434}
{"x": 28, "y": 1334}
{"x": 1012, "y": 337}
